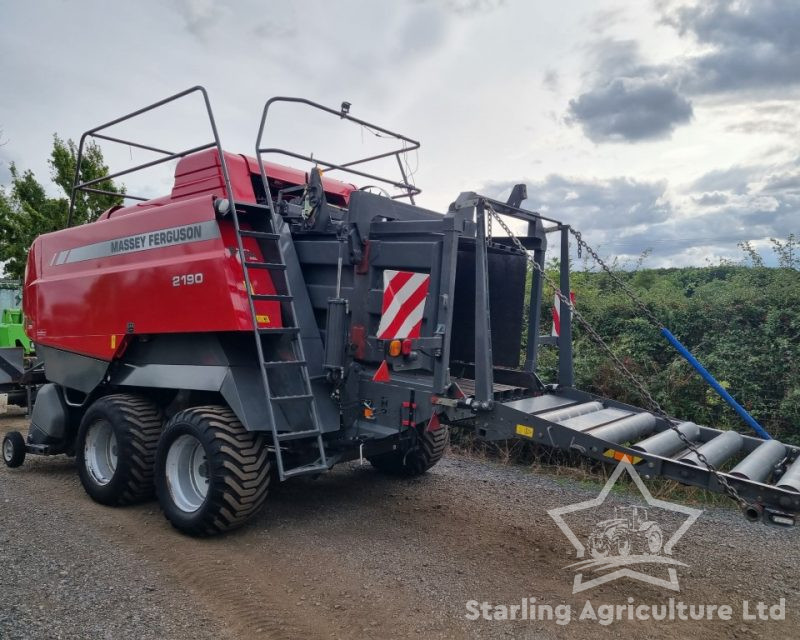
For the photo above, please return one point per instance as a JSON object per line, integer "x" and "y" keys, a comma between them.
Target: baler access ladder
{"x": 289, "y": 373}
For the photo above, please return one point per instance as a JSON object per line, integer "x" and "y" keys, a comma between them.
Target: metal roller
{"x": 627, "y": 429}
{"x": 570, "y": 412}
{"x": 761, "y": 462}
{"x": 595, "y": 419}
{"x": 722, "y": 448}
{"x": 668, "y": 443}
{"x": 791, "y": 479}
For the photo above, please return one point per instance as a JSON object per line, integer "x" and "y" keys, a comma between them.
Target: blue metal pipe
{"x": 727, "y": 397}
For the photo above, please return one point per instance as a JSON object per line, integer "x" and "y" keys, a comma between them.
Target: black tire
{"x": 13, "y": 449}
{"x": 136, "y": 423}
{"x": 236, "y": 472}
{"x": 428, "y": 450}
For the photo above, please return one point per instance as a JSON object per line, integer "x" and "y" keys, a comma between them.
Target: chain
{"x": 617, "y": 280}
{"x": 632, "y": 377}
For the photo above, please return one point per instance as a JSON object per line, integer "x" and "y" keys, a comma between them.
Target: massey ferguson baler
{"x": 261, "y": 320}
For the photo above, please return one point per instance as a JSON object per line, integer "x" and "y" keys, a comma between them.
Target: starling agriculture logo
{"x": 626, "y": 540}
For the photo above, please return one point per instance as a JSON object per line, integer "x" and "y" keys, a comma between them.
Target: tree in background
{"x": 26, "y": 210}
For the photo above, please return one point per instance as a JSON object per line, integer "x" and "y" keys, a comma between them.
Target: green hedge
{"x": 742, "y": 323}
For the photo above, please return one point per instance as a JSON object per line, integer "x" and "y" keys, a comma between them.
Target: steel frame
{"x": 87, "y": 187}
{"x": 537, "y": 242}
{"x": 343, "y": 114}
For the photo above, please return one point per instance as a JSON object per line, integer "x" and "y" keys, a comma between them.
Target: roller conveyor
{"x": 765, "y": 473}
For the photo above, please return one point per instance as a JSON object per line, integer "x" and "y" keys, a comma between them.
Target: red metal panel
{"x": 201, "y": 173}
{"x": 292, "y": 176}
{"x": 87, "y": 306}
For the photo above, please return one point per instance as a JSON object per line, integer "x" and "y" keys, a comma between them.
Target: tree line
{"x": 27, "y": 209}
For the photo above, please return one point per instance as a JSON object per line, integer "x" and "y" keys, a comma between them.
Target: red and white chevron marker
{"x": 557, "y": 313}
{"x": 404, "y": 295}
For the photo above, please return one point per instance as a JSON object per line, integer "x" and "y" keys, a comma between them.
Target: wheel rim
{"x": 100, "y": 452}
{"x": 8, "y": 449}
{"x": 599, "y": 547}
{"x": 187, "y": 473}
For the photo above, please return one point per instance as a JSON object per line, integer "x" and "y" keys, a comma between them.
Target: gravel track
{"x": 354, "y": 554}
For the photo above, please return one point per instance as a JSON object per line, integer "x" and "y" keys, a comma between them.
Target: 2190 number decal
{"x": 186, "y": 279}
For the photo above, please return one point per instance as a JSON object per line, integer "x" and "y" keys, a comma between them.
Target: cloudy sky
{"x": 660, "y": 125}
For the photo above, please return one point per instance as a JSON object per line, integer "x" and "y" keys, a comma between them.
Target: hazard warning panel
{"x": 557, "y": 312}
{"x": 404, "y": 295}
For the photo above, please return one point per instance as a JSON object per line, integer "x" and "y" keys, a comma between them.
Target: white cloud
{"x": 484, "y": 85}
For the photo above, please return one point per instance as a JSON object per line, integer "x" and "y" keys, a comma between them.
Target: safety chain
{"x": 634, "y": 379}
{"x": 619, "y": 282}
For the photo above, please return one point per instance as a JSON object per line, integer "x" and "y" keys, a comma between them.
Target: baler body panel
{"x": 169, "y": 270}
{"x": 136, "y": 268}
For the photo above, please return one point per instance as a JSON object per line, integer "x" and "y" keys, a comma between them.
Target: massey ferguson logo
{"x": 624, "y": 537}
{"x": 157, "y": 239}
{"x": 176, "y": 235}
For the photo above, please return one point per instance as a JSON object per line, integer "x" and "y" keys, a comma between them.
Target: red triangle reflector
{"x": 382, "y": 374}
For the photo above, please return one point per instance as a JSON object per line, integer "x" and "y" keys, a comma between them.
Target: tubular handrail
{"x": 343, "y": 113}
{"x": 86, "y": 186}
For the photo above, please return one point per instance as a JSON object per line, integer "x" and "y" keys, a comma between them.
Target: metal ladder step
{"x": 298, "y": 392}
{"x": 278, "y": 330}
{"x": 251, "y": 207}
{"x": 272, "y": 266}
{"x": 298, "y": 435}
{"x": 273, "y": 364}
{"x": 293, "y": 398}
{"x": 262, "y": 235}
{"x": 306, "y": 469}
{"x": 273, "y": 297}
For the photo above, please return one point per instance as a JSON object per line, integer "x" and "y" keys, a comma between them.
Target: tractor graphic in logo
{"x": 628, "y": 531}
{"x": 617, "y": 547}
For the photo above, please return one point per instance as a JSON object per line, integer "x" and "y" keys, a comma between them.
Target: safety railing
{"x": 95, "y": 133}
{"x": 353, "y": 167}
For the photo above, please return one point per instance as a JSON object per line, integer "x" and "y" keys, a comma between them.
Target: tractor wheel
{"x": 623, "y": 546}
{"x": 211, "y": 474}
{"x": 599, "y": 546}
{"x": 13, "y": 449}
{"x": 428, "y": 450}
{"x": 116, "y": 448}
{"x": 654, "y": 539}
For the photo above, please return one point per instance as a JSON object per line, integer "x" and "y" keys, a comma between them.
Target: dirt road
{"x": 354, "y": 554}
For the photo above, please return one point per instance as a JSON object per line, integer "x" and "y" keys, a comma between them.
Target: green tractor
{"x": 16, "y": 356}
{"x": 12, "y": 332}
